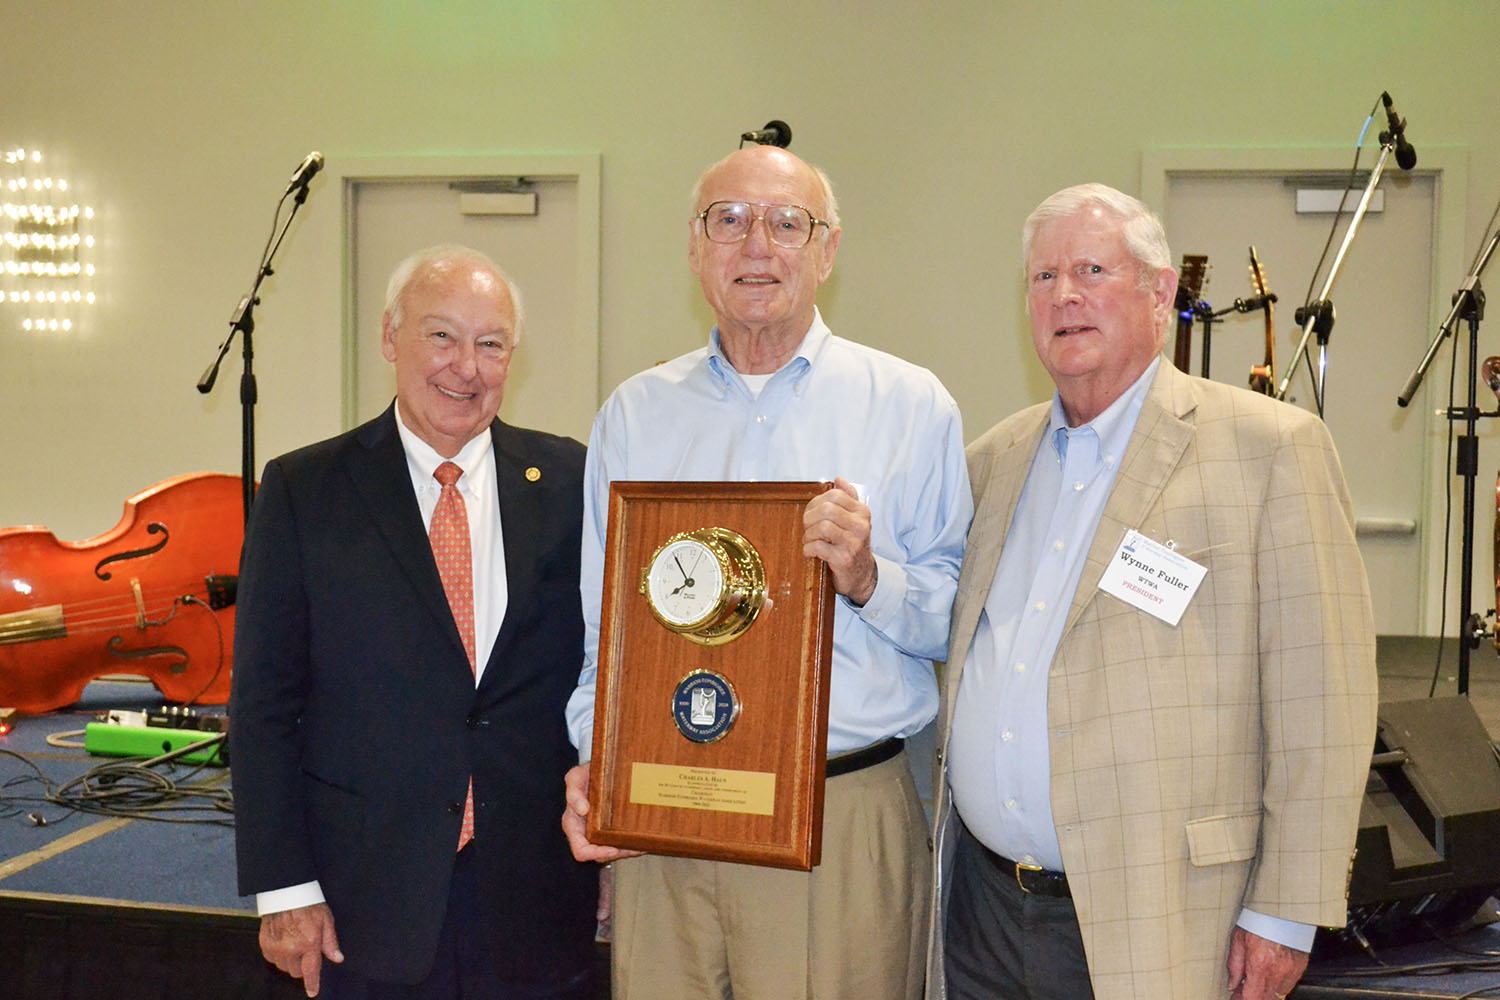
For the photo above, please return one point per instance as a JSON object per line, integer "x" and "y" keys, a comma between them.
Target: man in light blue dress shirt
{"x": 776, "y": 396}
{"x": 1159, "y": 702}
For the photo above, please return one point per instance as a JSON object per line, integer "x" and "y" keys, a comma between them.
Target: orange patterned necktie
{"x": 449, "y": 535}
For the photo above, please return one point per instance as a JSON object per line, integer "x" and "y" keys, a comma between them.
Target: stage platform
{"x": 103, "y": 907}
{"x": 94, "y": 907}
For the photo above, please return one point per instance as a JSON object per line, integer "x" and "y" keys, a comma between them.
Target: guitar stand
{"x": 1204, "y": 312}
{"x": 1210, "y": 316}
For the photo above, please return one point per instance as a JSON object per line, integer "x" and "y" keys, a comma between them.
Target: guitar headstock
{"x": 1191, "y": 279}
{"x": 1258, "y": 283}
{"x": 1263, "y": 376}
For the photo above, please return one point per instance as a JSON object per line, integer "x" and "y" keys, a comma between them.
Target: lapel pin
{"x": 533, "y": 474}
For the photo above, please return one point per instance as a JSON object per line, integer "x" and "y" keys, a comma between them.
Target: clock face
{"x": 685, "y": 582}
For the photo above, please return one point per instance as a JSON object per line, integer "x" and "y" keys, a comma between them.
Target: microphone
{"x": 1406, "y": 156}
{"x": 305, "y": 171}
{"x": 1254, "y": 302}
{"x": 776, "y": 133}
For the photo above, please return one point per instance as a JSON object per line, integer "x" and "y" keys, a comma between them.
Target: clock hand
{"x": 679, "y": 569}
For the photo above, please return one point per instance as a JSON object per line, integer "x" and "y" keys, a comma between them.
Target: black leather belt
{"x": 1029, "y": 877}
{"x": 858, "y": 760}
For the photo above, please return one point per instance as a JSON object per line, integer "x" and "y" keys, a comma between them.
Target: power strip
{"x": 106, "y": 739}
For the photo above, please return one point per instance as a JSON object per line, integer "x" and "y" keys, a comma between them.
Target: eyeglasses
{"x": 789, "y": 226}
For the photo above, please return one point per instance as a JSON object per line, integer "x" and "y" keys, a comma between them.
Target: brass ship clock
{"x": 706, "y": 585}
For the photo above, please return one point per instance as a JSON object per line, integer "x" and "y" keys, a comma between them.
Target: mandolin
{"x": 1263, "y": 375}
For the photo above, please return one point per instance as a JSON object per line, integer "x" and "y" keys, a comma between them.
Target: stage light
{"x": 46, "y": 249}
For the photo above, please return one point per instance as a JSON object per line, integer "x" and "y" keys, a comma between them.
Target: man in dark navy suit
{"x": 397, "y": 730}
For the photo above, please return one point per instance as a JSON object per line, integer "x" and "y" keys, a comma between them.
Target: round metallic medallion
{"x": 704, "y": 706}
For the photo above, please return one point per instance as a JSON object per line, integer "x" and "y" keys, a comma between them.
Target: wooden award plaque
{"x": 710, "y": 736}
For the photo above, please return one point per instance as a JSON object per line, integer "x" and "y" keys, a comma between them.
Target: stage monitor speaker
{"x": 1428, "y": 849}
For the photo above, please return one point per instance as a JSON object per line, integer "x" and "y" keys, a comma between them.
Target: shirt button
{"x": 760, "y": 419}
{"x": 1078, "y": 486}
{"x": 1007, "y": 736}
{"x": 1058, "y": 545}
{"x": 1020, "y": 668}
{"x": 1040, "y": 605}
{"x": 1010, "y": 803}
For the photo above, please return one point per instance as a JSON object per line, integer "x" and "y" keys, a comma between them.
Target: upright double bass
{"x": 153, "y": 596}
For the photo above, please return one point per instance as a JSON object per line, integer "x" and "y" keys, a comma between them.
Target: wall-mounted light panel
{"x": 46, "y": 247}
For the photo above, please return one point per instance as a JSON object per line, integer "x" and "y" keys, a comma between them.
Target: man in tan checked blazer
{"x": 1128, "y": 801}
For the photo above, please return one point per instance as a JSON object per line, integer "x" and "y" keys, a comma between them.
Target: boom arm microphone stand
{"x": 1318, "y": 315}
{"x": 243, "y": 322}
{"x": 1468, "y": 304}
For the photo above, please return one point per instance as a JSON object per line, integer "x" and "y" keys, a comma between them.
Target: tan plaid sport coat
{"x": 1212, "y": 766}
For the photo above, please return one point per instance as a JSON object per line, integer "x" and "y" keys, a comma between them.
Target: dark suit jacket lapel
{"x": 1161, "y": 437}
{"x": 520, "y": 529}
{"x": 383, "y": 483}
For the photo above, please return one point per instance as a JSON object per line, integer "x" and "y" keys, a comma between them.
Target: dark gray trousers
{"x": 1003, "y": 942}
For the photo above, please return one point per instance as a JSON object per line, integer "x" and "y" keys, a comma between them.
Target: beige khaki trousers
{"x": 854, "y": 928}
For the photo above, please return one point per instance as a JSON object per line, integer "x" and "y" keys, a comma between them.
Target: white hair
{"x": 1144, "y": 236}
{"x": 444, "y": 257}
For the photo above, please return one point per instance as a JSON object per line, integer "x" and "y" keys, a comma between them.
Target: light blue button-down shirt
{"x": 999, "y": 764}
{"x": 837, "y": 408}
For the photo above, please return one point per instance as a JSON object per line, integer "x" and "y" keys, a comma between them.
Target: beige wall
{"x": 942, "y": 124}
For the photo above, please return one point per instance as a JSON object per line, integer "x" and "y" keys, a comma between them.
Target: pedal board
{"x": 107, "y": 739}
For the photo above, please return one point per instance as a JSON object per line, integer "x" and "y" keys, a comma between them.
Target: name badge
{"x": 1153, "y": 577}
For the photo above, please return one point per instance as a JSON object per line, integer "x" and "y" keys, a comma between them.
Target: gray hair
{"x": 1144, "y": 236}
{"x": 830, "y": 203}
{"x": 444, "y": 257}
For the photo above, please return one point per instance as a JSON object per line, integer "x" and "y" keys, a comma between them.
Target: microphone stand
{"x": 1468, "y": 305}
{"x": 1318, "y": 314}
{"x": 243, "y": 323}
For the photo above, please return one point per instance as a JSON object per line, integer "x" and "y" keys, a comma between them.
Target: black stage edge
{"x": 82, "y": 948}
{"x": 104, "y": 949}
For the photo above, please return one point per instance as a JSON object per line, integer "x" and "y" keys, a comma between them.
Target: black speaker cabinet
{"x": 1428, "y": 849}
